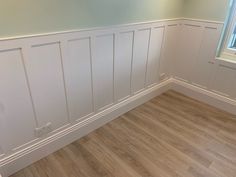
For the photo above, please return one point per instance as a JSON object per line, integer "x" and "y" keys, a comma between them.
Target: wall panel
{"x": 103, "y": 71}
{"x": 44, "y": 68}
{"x": 17, "y": 121}
{"x": 224, "y": 80}
{"x": 78, "y": 74}
{"x": 188, "y": 48}
{"x": 168, "y": 56}
{"x": 122, "y": 65}
{"x": 141, "y": 47}
{"x": 202, "y": 71}
{"x": 156, "y": 39}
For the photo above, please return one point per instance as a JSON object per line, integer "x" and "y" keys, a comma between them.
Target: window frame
{"x": 230, "y": 28}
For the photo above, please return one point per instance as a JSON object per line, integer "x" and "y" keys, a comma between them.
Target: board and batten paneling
{"x": 196, "y": 60}
{"x": 204, "y": 65}
{"x": 44, "y": 68}
{"x": 64, "y": 78}
{"x": 123, "y": 65}
{"x": 153, "y": 64}
{"x": 77, "y": 69}
{"x": 17, "y": 121}
{"x": 188, "y": 48}
{"x": 139, "y": 65}
{"x": 102, "y": 64}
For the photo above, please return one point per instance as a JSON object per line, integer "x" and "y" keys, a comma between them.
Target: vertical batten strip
{"x": 131, "y": 69}
{"x": 25, "y": 54}
{"x": 64, "y": 55}
{"x": 148, "y": 50}
{"x": 91, "y": 69}
{"x": 114, "y": 55}
{"x": 92, "y": 46}
{"x": 161, "y": 53}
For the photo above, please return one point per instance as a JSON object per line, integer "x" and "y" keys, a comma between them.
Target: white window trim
{"x": 231, "y": 26}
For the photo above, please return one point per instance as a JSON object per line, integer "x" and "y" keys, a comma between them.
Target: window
{"x": 230, "y": 38}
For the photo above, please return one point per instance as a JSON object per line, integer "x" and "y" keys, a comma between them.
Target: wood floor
{"x": 170, "y": 136}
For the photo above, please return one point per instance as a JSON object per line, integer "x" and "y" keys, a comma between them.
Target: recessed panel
{"x": 155, "y": 47}
{"x": 188, "y": 48}
{"x": 103, "y": 71}
{"x": 17, "y": 122}
{"x": 78, "y": 78}
{"x": 203, "y": 67}
{"x": 169, "y": 50}
{"x": 123, "y": 60}
{"x": 224, "y": 80}
{"x": 141, "y": 45}
{"x": 46, "y": 82}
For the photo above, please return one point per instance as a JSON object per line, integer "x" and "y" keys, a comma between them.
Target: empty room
{"x": 118, "y": 88}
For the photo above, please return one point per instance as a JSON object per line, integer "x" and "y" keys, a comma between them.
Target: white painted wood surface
{"x": 68, "y": 77}
{"x": 140, "y": 59}
{"x": 44, "y": 68}
{"x": 17, "y": 121}
{"x": 78, "y": 77}
{"x": 188, "y": 48}
{"x": 202, "y": 71}
{"x": 169, "y": 51}
{"x": 123, "y": 65}
{"x": 153, "y": 63}
{"x": 196, "y": 62}
{"x": 224, "y": 80}
{"x": 103, "y": 58}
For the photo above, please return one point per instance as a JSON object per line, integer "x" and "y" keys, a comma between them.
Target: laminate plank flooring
{"x": 170, "y": 136}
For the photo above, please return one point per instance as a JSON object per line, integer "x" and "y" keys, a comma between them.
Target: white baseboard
{"x": 209, "y": 97}
{"x": 29, "y": 155}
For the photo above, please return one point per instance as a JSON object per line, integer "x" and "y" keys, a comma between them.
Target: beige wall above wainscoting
{"x": 24, "y": 17}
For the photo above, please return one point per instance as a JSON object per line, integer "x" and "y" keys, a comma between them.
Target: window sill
{"x": 227, "y": 58}
{"x": 229, "y": 63}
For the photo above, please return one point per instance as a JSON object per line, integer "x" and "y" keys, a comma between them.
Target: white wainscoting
{"x": 198, "y": 73}
{"x": 224, "y": 79}
{"x": 78, "y": 81}
{"x": 196, "y": 52}
{"x": 169, "y": 51}
{"x": 17, "y": 115}
{"x": 78, "y": 78}
{"x": 45, "y": 74}
{"x": 123, "y": 65}
{"x": 196, "y": 63}
{"x": 75, "y": 82}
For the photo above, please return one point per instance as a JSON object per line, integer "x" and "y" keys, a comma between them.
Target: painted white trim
{"x": 204, "y": 95}
{"x": 226, "y": 60}
{"x": 202, "y": 20}
{"x": 105, "y": 28}
{"x": 230, "y": 28}
{"x": 29, "y": 155}
{"x": 87, "y": 29}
